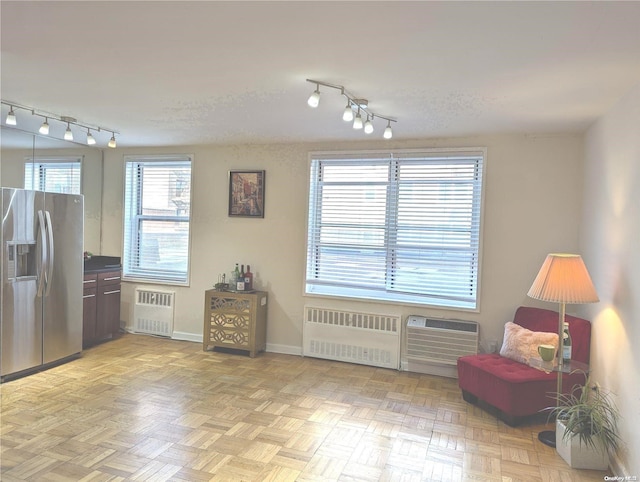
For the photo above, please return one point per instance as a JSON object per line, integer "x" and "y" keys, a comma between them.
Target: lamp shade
{"x": 563, "y": 278}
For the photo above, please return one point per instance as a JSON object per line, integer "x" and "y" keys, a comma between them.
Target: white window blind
{"x": 53, "y": 174}
{"x": 401, "y": 227}
{"x": 157, "y": 218}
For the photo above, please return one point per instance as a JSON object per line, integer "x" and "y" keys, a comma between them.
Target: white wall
{"x": 609, "y": 241}
{"x": 533, "y": 196}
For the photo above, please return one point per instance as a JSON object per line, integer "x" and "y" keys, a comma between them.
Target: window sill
{"x": 151, "y": 281}
{"x": 391, "y": 298}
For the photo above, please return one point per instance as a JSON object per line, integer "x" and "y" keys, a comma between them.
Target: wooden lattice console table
{"x": 235, "y": 320}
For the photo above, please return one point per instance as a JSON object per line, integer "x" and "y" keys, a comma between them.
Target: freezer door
{"x": 21, "y": 321}
{"x": 62, "y": 319}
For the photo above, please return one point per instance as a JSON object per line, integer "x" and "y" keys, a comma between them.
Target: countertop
{"x": 102, "y": 263}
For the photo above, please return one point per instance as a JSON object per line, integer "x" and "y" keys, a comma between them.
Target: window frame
{"x": 313, "y": 287}
{"x": 134, "y": 216}
{"x": 45, "y": 163}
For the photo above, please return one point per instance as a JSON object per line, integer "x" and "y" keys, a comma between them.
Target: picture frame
{"x": 246, "y": 194}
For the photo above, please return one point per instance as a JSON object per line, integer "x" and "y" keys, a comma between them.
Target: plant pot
{"x": 580, "y": 456}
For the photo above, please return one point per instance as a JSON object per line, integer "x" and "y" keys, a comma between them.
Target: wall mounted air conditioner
{"x": 433, "y": 345}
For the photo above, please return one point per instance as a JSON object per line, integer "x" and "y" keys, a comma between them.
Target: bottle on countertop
{"x": 566, "y": 346}
{"x": 240, "y": 280}
{"x": 235, "y": 275}
{"x": 248, "y": 278}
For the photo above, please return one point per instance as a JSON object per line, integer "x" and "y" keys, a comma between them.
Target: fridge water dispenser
{"x": 21, "y": 261}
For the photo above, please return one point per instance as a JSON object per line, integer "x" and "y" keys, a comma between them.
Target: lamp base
{"x": 548, "y": 437}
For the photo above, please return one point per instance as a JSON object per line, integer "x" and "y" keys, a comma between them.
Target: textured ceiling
{"x": 178, "y": 73}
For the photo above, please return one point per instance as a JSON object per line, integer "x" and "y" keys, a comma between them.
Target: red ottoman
{"x": 515, "y": 389}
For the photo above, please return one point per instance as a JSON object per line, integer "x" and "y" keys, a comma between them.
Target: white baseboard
{"x": 271, "y": 347}
{"x": 184, "y": 336}
{"x": 284, "y": 349}
{"x": 438, "y": 369}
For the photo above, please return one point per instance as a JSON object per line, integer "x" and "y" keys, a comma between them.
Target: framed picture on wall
{"x": 246, "y": 194}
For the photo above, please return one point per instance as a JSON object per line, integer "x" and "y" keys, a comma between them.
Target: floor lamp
{"x": 563, "y": 278}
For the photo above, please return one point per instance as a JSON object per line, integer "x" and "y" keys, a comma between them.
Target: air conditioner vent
{"x": 434, "y": 345}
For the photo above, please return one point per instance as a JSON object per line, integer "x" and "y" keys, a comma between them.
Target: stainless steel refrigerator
{"x": 41, "y": 286}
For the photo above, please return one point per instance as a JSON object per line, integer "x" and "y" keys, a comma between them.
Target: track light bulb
{"x": 90, "y": 139}
{"x": 68, "y": 135}
{"x": 314, "y": 99}
{"x": 347, "y": 115}
{"x": 44, "y": 128}
{"x": 388, "y": 133}
{"x": 368, "y": 126}
{"x": 112, "y": 141}
{"x": 11, "y": 118}
{"x": 357, "y": 122}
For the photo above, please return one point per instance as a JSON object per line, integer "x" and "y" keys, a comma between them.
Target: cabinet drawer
{"x": 90, "y": 280}
{"x": 89, "y": 292}
{"x": 234, "y": 322}
{"x": 109, "y": 277}
{"x": 230, "y": 305}
{"x": 230, "y": 338}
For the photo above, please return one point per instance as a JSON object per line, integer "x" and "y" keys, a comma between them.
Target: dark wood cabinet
{"x": 101, "y": 306}
{"x": 89, "y": 305}
{"x": 108, "y": 309}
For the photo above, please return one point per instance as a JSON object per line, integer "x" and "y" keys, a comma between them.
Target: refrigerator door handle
{"x": 41, "y": 260}
{"x": 51, "y": 255}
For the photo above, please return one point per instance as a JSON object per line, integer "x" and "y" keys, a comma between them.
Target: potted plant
{"x": 586, "y": 427}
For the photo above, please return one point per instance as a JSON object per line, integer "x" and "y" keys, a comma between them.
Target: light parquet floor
{"x": 148, "y": 409}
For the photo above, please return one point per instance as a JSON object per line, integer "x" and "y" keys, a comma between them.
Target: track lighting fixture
{"x": 11, "y": 120}
{"x": 347, "y": 115}
{"x": 360, "y": 106}
{"x": 314, "y": 99}
{"x": 68, "y": 135}
{"x": 357, "y": 122}
{"x": 368, "y": 126}
{"x": 90, "y": 139}
{"x": 11, "y": 117}
{"x": 44, "y": 128}
{"x": 388, "y": 133}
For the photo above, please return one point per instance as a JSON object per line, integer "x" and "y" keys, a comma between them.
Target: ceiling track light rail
{"x": 355, "y": 109}
{"x": 11, "y": 120}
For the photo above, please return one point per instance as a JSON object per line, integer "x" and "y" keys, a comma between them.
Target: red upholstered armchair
{"x": 517, "y": 390}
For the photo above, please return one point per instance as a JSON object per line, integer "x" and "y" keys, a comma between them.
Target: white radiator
{"x": 364, "y": 338}
{"x": 153, "y": 312}
{"x": 434, "y": 345}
